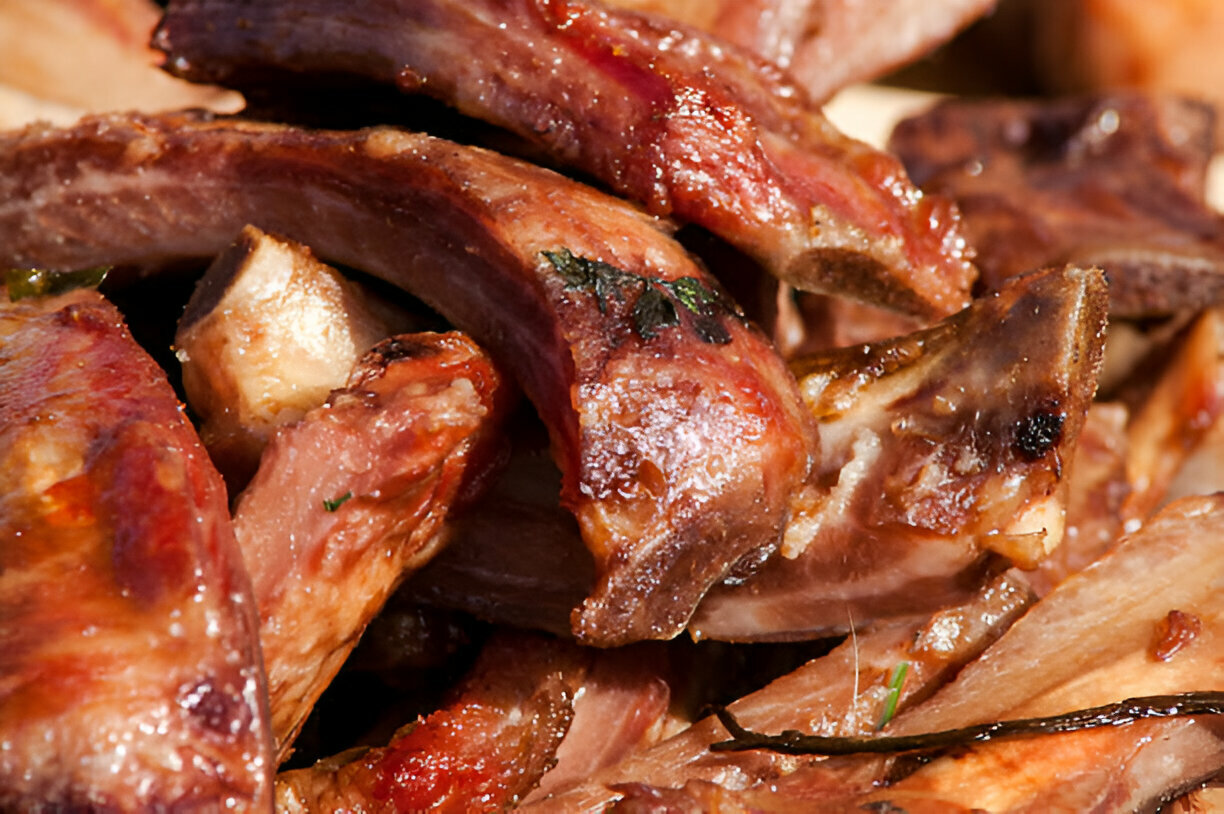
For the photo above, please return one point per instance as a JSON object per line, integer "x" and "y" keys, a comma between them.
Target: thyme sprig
{"x": 894, "y": 693}
{"x": 336, "y": 502}
{"x": 659, "y": 300}
{"x": 793, "y": 742}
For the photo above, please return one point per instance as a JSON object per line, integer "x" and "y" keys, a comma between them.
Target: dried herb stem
{"x": 793, "y": 742}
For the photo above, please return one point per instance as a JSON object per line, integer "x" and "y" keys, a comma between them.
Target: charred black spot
{"x": 1038, "y": 433}
{"x": 402, "y": 347}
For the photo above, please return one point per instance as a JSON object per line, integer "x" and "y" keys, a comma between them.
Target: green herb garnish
{"x": 23, "y": 283}
{"x": 894, "y": 693}
{"x": 659, "y": 301}
{"x": 337, "y": 502}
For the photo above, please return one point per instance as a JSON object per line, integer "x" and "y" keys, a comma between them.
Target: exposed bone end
{"x": 269, "y": 332}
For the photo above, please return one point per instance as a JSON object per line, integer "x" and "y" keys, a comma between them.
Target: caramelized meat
{"x": 485, "y": 749}
{"x": 1113, "y": 181}
{"x": 687, "y": 125}
{"x": 130, "y": 678}
{"x": 349, "y": 500}
{"x": 937, "y": 447}
{"x": 679, "y": 431}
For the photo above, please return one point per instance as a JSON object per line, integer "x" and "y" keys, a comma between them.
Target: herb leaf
{"x": 337, "y": 502}
{"x": 692, "y": 293}
{"x": 652, "y": 312}
{"x": 24, "y": 283}
{"x": 894, "y": 693}
{"x": 658, "y": 299}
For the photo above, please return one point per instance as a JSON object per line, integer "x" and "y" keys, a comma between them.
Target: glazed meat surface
{"x": 483, "y": 750}
{"x": 679, "y": 432}
{"x": 350, "y": 500}
{"x": 130, "y": 678}
{"x": 687, "y": 125}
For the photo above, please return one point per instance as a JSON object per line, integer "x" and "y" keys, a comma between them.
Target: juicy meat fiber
{"x": 680, "y": 433}
{"x": 350, "y": 500}
{"x": 665, "y": 115}
{"x": 130, "y": 676}
{"x": 482, "y": 751}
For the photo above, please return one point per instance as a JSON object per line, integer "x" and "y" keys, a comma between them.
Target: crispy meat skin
{"x": 1114, "y": 181}
{"x": 130, "y": 678}
{"x": 680, "y": 456}
{"x": 419, "y": 417}
{"x": 482, "y": 751}
{"x": 662, "y": 114}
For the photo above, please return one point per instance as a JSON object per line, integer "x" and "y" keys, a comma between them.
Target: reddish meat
{"x": 350, "y": 500}
{"x": 130, "y": 678}
{"x": 841, "y": 693}
{"x": 680, "y": 433}
{"x": 482, "y": 751}
{"x": 687, "y": 125}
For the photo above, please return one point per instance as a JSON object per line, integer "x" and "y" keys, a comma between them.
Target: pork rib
{"x": 349, "y": 500}
{"x": 679, "y": 431}
{"x": 687, "y": 125}
{"x": 130, "y": 677}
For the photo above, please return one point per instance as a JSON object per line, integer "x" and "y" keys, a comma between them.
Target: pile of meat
{"x": 588, "y": 417}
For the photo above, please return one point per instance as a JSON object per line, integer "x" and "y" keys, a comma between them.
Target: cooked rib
{"x": 1114, "y": 181}
{"x": 349, "y": 501}
{"x": 826, "y": 44}
{"x": 896, "y": 417}
{"x": 130, "y": 678}
{"x": 680, "y": 433}
{"x": 843, "y": 692}
{"x": 664, "y": 115}
{"x": 269, "y": 332}
{"x": 483, "y": 750}
{"x": 938, "y": 447}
